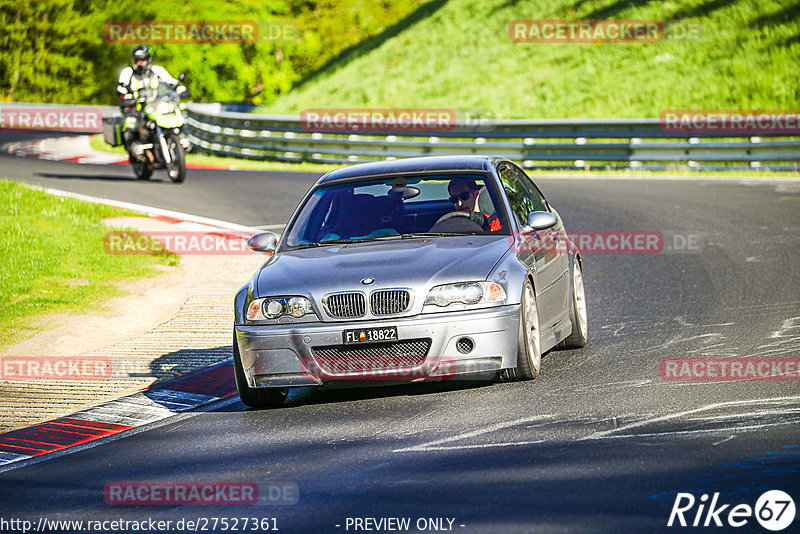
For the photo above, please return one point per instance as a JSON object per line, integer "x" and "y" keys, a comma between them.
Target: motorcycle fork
{"x": 162, "y": 140}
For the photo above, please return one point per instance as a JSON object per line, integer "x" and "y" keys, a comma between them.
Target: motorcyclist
{"x": 136, "y": 81}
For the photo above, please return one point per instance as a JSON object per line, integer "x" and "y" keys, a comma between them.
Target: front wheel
{"x": 529, "y": 351}
{"x": 577, "y": 311}
{"x": 176, "y": 168}
{"x": 255, "y": 397}
{"x": 141, "y": 169}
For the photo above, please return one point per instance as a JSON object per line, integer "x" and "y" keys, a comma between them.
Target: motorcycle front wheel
{"x": 141, "y": 169}
{"x": 176, "y": 168}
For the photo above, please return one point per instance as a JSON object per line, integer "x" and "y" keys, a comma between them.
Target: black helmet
{"x": 141, "y": 59}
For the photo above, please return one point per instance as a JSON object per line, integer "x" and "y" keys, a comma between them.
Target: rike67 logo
{"x": 774, "y": 510}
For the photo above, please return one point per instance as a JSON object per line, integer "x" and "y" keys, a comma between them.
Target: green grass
{"x": 461, "y": 57}
{"x": 97, "y": 143}
{"x": 53, "y": 259}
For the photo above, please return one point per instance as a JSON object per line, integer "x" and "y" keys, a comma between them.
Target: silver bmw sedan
{"x": 409, "y": 270}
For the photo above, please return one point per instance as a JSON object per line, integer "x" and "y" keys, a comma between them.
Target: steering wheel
{"x": 465, "y": 221}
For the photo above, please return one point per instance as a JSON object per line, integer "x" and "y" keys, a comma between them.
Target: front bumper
{"x": 281, "y": 355}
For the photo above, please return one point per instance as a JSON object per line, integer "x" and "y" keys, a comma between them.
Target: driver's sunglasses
{"x": 462, "y": 196}
{"x": 141, "y": 61}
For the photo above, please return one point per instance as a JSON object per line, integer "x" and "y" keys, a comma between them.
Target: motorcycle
{"x": 160, "y": 143}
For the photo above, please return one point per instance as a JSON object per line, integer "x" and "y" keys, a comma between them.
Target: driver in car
{"x": 465, "y": 195}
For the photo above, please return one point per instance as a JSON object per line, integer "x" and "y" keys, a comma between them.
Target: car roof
{"x": 412, "y": 165}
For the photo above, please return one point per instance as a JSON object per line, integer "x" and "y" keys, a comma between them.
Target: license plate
{"x": 370, "y": 335}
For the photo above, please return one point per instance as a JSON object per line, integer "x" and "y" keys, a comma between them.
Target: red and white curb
{"x": 184, "y": 221}
{"x": 201, "y": 226}
{"x": 43, "y": 149}
{"x": 78, "y": 150}
{"x": 159, "y": 401}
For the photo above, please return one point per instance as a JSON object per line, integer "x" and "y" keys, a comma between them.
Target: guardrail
{"x": 545, "y": 143}
{"x": 534, "y": 143}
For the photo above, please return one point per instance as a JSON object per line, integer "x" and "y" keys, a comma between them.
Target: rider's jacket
{"x": 130, "y": 83}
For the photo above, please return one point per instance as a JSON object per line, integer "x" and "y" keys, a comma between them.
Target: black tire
{"x": 255, "y": 397}
{"x": 577, "y": 311}
{"x": 177, "y": 169}
{"x": 141, "y": 169}
{"x": 529, "y": 348}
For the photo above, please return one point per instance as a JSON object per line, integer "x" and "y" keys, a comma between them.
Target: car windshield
{"x": 396, "y": 208}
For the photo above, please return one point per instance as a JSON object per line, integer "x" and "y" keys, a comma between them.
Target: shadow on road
{"x": 102, "y": 177}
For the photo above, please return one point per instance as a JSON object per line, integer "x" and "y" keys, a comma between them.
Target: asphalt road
{"x": 598, "y": 443}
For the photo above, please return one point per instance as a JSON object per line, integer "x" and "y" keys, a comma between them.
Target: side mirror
{"x": 264, "y": 242}
{"x": 541, "y": 220}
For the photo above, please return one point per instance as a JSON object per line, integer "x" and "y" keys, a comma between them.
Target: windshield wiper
{"x": 411, "y": 235}
{"x": 430, "y": 234}
{"x": 304, "y": 245}
{"x": 341, "y": 241}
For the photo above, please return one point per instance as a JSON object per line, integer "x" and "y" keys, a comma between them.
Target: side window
{"x": 536, "y": 195}
{"x": 518, "y": 196}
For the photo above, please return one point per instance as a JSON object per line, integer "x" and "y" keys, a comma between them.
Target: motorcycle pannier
{"x": 112, "y": 130}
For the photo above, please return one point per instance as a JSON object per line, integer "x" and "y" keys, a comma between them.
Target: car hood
{"x": 417, "y": 263}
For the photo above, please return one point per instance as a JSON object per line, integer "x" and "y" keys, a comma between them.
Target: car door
{"x": 556, "y": 245}
{"x": 529, "y": 246}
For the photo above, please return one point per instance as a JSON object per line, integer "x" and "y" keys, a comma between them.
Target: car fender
{"x": 510, "y": 273}
{"x": 240, "y": 302}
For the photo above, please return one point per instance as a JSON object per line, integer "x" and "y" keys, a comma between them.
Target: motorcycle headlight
{"x": 274, "y": 308}
{"x": 165, "y": 107}
{"x": 468, "y": 293}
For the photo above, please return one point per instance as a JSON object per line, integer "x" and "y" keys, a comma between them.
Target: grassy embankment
{"x": 53, "y": 259}
{"x": 461, "y": 56}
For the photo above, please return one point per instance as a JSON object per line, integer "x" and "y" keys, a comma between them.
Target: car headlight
{"x": 274, "y": 308}
{"x": 469, "y": 293}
